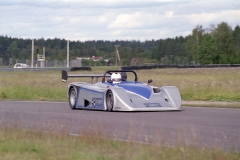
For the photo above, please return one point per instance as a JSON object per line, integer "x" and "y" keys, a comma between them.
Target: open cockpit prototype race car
{"x": 116, "y": 93}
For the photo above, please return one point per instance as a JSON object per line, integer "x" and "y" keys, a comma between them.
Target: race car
{"x": 116, "y": 93}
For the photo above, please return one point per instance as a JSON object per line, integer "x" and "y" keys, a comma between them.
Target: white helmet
{"x": 116, "y": 78}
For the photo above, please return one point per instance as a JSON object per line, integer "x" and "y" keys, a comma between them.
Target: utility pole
{"x": 117, "y": 56}
{"x": 67, "y": 53}
{"x": 43, "y": 51}
{"x": 68, "y": 43}
{"x": 44, "y": 57}
{"x": 32, "y": 37}
{"x": 198, "y": 30}
{"x": 32, "y": 53}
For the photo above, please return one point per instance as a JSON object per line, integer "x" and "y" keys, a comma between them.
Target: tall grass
{"x": 19, "y": 144}
{"x": 206, "y": 84}
{"x": 32, "y": 86}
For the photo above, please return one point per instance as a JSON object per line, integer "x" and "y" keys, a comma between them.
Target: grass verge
{"x": 19, "y": 144}
{"x": 211, "y": 104}
{"x": 205, "y": 84}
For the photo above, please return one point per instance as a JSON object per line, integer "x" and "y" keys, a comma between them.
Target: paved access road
{"x": 205, "y": 127}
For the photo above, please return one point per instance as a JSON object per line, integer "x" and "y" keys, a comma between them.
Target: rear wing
{"x": 65, "y": 76}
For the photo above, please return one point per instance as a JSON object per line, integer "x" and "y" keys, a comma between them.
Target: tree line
{"x": 213, "y": 45}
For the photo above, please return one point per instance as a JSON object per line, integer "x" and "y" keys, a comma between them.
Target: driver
{"x": 116, "y": 78}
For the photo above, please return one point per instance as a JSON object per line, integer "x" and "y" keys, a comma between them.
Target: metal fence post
{"x": 10, "y": 62}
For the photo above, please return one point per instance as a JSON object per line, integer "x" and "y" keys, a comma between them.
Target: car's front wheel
{"x": 109, "y": 100}
{"x": 72, "y": 98}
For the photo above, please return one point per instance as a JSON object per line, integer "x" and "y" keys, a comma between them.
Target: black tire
{"x": 109, "y": 100}
{"x": 72, "y": 98}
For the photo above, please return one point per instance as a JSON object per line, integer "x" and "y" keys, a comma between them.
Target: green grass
{"x": 219, "y": 84}
{"x": 19, "y": 144}
{"x": 32, "y": 86}
{"x": 210, "y": 84}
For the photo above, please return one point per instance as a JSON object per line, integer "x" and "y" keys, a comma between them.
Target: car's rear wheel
{"x": 72, "y": 98}
{"x": 109, "y": 100}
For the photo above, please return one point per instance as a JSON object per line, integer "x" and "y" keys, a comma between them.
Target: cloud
{"x": 126, "y": 21}
{"x": 111, "y": 20}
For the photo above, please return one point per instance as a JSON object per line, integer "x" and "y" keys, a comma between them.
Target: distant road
{"x": 205, "y": 127}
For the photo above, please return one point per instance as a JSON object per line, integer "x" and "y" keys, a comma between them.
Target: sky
{"x": 113, "y": 19}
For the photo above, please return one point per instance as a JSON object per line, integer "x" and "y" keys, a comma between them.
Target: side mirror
{"x": 150, "y": 81}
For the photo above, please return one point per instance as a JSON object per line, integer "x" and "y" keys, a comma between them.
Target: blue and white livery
{"x": 124, "y": 96}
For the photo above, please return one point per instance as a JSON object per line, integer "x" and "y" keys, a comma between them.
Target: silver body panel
{"x": 93, "y": 96}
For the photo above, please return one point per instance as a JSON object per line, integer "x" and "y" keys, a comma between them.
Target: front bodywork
{"x": 127, "y": 96}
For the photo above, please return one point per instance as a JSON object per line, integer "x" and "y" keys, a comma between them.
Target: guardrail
{"x": 123, "y": 67}
{"x": 46, "y": 68}
{"x": 179, "y": 66}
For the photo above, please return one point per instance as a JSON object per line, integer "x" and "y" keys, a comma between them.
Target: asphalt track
{"x": 197, "y": 126}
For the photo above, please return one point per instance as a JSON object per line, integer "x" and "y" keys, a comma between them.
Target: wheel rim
{"x": 72, "y": 97}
